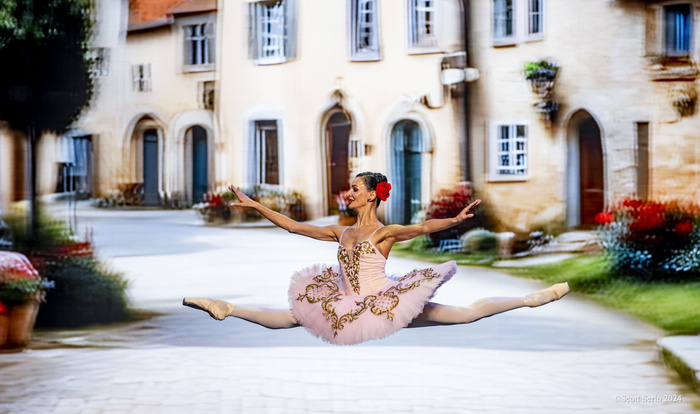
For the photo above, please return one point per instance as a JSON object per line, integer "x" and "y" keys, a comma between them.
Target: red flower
{"x": 683, "y": 228}
{"x": 604, "y": 218}
{"x": 382, "y": 190}
{"x": 3, "y": 308}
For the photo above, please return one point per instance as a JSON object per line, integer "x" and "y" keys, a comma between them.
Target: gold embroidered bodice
{"x": 363, "y": 272}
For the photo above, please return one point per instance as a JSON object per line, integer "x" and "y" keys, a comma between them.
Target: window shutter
{"x": 653, "y": 35}
{"x": 135, "y": 78}
{"x": 253, "y": 19}
{"x": 290, "y": 29}
{"x": 148, "y": 85}
{"x": 210, "y": 42}
{"x": 187, "y": 47}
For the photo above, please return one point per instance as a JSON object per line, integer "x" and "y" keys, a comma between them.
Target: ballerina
{"x": 355, "y": 301}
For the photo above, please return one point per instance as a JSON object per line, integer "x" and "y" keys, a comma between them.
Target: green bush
{"x": 51, "y": 234}
{"x": 83, "y": 291}
{"x": 478, "y": 240}
{"x": 84, "y": 294}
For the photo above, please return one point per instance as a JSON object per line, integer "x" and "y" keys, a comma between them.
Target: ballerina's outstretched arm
{"x": 403, "y": 233}
{"x": 326, "y": 233}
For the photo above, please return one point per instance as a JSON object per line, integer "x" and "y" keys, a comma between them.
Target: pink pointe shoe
{"x": 542, "y": 297}
{"x": 217, "y": 309}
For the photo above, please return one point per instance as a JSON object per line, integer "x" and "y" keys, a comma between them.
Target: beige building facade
{"x": 287, "y": 95}
{"x": 626, "y": 124}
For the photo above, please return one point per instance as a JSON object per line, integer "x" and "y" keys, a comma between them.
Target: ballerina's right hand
{"x": 243, "y": 200}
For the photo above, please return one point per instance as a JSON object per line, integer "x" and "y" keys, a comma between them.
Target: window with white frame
{"x": 508, "y": 152}
{"x": 272, "y": 31}
{"x": 141, "y": 77}
{"x": 422, "y": 24}
{"x": 364, "y": 30}
{"x": 99, "y": 61}
{"x": 515, "y": 21}
{"x": 677, "y": 29}
{"x": 266, "y": 162}
{"x": 535, "y": 18}
{"x": 199, "y": 45}
{"x": 503, "y": 23}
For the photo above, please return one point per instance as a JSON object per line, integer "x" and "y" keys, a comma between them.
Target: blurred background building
{"x": 620, "y": 119}
{"x": 300, "y": 95}
{"x": 303, "y": 94}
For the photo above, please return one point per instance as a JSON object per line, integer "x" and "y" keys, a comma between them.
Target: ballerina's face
{"x": 358, "y": 195}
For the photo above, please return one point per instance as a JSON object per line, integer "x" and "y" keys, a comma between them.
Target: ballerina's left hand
{"x": 466, "y": 213}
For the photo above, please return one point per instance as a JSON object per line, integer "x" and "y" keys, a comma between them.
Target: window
{"x": 99, "y": 61}
{"x": 364, "y": 30}
{"x": 272, "y": 31}
{"x": 517, "y": 21}
{"x": 266, "y": 153}
{"x": 535, "y": 18}
{"x": 199, "y": 45}
{"x": 503, "y": 20}
{"x": 208, "y": 94}
{"x": 509, "y": 158}
{"x": 141, "y": 77}
{"x": 421, "y": 24}
{"x": 677, "y": 30}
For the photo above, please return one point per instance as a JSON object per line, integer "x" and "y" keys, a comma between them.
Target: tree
{"x": 45, "y": 80}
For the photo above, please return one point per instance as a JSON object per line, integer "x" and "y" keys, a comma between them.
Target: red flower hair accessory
{"x": 382, "y": 190}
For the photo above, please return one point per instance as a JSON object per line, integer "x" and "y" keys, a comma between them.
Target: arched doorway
{"x": 337, "y": 134}
{"x": 197, "y": 141}
{"x": 586, "y": 173}
{"x": 407, "y": 152}
{"x": 150, "y": 168}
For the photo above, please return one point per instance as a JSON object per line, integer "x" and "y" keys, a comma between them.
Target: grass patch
{"x": 670, "y": 306}
{"x": 410, "y": 250}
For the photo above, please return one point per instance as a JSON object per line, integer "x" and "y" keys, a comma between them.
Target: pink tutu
{"x": 319, "y": 303}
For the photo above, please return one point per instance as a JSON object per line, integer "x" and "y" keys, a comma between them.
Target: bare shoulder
{"x": 389, "y": 231}
{"x": 337, "y": 230}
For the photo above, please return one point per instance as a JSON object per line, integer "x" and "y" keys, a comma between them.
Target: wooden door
{"x": 592, "y": 180}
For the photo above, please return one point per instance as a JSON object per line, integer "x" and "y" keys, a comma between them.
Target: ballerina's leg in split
{"x": 355, "y": 301}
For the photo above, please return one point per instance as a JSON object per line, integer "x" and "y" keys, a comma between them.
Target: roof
{"x": 153, "y": 14}
{"x": 194, "y": 6}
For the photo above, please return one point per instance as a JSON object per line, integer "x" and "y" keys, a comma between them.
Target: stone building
{"x": 626, "y": 124}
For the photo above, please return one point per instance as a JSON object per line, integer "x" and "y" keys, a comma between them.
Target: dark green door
{"x": 407, "y": 144}
{"x": 200, "y": 165}
{"x": 150, "y": 168}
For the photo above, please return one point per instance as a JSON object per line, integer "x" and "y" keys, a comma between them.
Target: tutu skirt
{"x": 318, "y": 302}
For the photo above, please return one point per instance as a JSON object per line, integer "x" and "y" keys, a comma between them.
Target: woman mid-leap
{"x": 355, "y": 301}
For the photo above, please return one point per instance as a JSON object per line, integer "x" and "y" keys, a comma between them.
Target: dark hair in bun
{"x": 371, "y": 180}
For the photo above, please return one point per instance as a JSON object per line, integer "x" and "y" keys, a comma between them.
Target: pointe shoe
{"x": 552, "y": 293}
{"x": 217, "y": 309}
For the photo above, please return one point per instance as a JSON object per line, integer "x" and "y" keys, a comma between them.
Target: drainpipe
{"x": 455, "y": 74}
{"x": 466, "y": 159}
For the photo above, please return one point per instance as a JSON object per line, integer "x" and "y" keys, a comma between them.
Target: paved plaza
{"x": 569, "y": 356}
